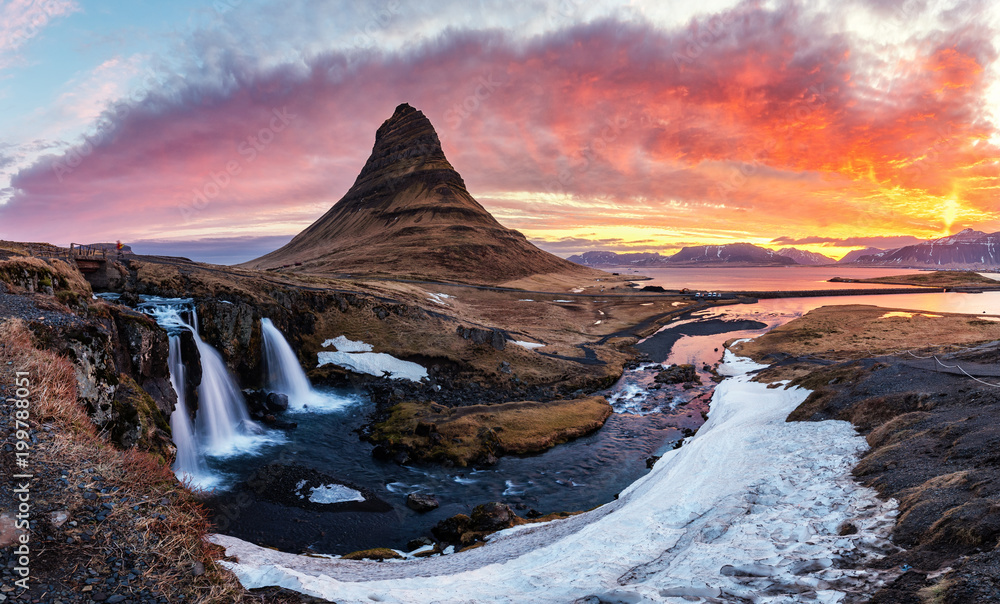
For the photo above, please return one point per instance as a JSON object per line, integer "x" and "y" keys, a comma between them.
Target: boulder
{"x": 450, "y": 530}
{"x": 678, "y": 374}
{"x": 276, "y": 402}
{"x": 493, "y": 516}
{"x": 421, "y": 502}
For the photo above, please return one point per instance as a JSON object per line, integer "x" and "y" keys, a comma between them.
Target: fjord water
{"x": 766, "y": 278}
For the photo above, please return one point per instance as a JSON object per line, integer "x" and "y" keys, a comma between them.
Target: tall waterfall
{"x": 284, "y": 374}
{"x": 222, "y": 410}
{"x": 189, "y": 462}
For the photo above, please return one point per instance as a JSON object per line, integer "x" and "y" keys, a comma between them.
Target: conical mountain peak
{"x": 404, "y": 143}
{"x": 409, "y": 214}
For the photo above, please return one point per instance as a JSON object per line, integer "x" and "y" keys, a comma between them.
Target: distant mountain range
{"x": 731, "y": 254}
{"x": 968, "y": 250}
{"x": 856, "y": 254}
{"x": 804, "y": 257}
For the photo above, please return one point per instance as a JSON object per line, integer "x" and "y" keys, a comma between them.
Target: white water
{"x": 189, "y": 463}
{"x": 222, "y": 411}
{"x": 222, "y": 425}
{"x": 284, "y": 374}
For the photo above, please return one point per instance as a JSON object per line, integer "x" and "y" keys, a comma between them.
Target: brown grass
{"x": 848, "y": 332}
{"x": 166, "y": 545}
{"x": 467, "y": 434}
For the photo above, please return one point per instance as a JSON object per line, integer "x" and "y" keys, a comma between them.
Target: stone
{"x": 493, "y": 516}
{"x": 277, "y": 402}
{"x": 450, "y": 530}
{"x": 422, "y": 502}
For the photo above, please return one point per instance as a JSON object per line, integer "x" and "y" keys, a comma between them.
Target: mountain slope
{"x": 804, "y": 257}
{"x": 611, "y": 259}
{"x": 409, "y": 214}
{"x": 968, "y": 249}
{"x": 855, "y": 255}
{"x": 732, "y": 253}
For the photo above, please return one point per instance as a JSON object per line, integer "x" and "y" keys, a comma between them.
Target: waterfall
{"x": 284, "y": 374}
{"x": 189, "y": 463}
{"x": 222, "y": 411}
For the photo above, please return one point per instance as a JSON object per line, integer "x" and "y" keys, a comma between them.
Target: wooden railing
{"x": 88, "y": 252}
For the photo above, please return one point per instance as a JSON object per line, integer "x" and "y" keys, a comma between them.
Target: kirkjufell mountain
{"x": 410, "y": 214}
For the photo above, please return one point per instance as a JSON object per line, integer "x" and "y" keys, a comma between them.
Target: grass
{"x": 849, "y": 332}
{"x": 465, "y": 435}
{"x": 168, "y": 544}
{"x": 55, "y": 274}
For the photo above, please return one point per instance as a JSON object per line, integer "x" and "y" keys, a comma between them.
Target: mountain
{"x": 856, "y": 254}
{"x": 731, "y": 253}
{"x": 804, "y": 257}
{"x": 410, "y": 214}
{"x": 968, "y": 249}
{"x": 611, "y": 259}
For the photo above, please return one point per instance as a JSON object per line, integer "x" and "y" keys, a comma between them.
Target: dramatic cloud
{"x": 740, "y": 126}
{"x": 849, "y": 242}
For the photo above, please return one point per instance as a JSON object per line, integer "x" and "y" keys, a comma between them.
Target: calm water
{"x": 792, "y": 278}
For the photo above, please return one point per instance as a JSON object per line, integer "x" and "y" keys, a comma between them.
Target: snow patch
{"x": 378, "y": 364}
{"x": 440, "y": 299}
{"x": 342, "y": 344}
{"x": 528, "y": 345}
{"x": 907, "y": 315}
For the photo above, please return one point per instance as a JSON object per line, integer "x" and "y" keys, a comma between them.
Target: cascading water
{"x": 222, "y": 416}
{"x": 284, "y": 374}
{"x": 189, "y": 463}
{"x": 222, "y": 411}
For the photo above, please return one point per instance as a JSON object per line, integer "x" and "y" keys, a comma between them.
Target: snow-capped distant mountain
{"x": 612, "y": 259}
{"x": 968, "y": 249}
{"x": 731, "y": 253}
{"x": 804, "y": 257}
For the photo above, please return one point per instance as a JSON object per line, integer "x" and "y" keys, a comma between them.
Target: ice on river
{"x": 747, "y": 510}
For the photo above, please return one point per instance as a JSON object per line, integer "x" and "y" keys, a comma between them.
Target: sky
{"x": 220, "y": 129}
